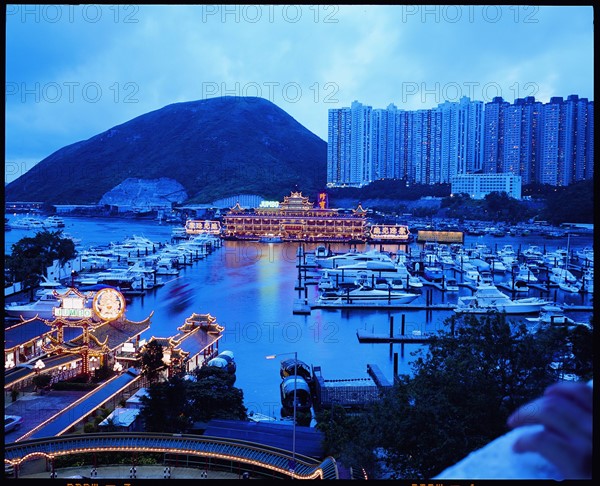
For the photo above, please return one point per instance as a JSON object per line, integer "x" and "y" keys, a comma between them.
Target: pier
{"x": 344, "y": 304}
{"x": 350, "y": 393}
{"x": 367, "y": 337}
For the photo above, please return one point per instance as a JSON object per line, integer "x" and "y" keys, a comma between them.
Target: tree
{"x": 215, "y": 396}
{"x": 152, "y": 361}
{"x": 345, "y": 437}
{"x": 166, "y": 408}
{"x": 41, "y": 381}
{"x": 464, "y": 386}
{"x": 30, "y": 256}
{"x": 173, "y": 405}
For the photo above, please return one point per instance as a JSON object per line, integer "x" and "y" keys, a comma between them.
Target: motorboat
{"x": 488, "y": 298}
{"x": 573, "y": 288}
{"x": 486, "y": 278}
{"x": 354, "y": 257}
{"x": 54, "y": 222}
{"x": 326, "y": 282}
{"x": 49, "y": 289}
{"x": 552, "y": 314}
{"x": 414, "y": 282}
{"x": 497, "y": 265}
{"x": 472, "y": 276}
{"x": 224, "y": 360}
{"x": 450, "y": 284}
{"x": 293, "y": 366}
{"x": 348, "y": 273}
{"x": 42, "y": 307}
{"x": 525, "y": 274}
{"x": 295, "y": 393}
{"x": 321, "y": 251}
{"x": 433, "y": 273}
{"x": 368, "y": 294}
{"x": 586, "y": 255}
{"x": 559, "y": 275}
{"x": 533, "y": 252}
{"x": 12, "y": 422}
{"x": 27, "y": 223}
{"x": 295, "y": 386}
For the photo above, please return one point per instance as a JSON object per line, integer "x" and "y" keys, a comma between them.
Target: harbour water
{"x": 250, "y": 288}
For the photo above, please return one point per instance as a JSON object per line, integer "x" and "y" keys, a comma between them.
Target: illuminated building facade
{"x": 295, "y": 219}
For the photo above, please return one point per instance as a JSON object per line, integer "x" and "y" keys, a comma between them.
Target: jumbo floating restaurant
{"x": 298, "y": 219}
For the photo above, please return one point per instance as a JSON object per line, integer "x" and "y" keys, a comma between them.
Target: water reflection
{"x": 250, "y": 289}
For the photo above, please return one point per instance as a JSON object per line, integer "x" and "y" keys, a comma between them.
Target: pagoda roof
{"x": 197, "y": 333}
{"x": 359, "y": 210}
{"x": 107, "y": 336}
{"x": 237, "y": 208}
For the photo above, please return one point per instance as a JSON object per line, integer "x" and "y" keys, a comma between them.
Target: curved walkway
{"x": 271, "y": 460}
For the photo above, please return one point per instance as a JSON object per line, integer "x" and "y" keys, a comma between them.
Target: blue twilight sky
{"x": 75, "y": 71}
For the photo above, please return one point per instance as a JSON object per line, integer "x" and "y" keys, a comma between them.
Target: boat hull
{"x": 511, "y": 308}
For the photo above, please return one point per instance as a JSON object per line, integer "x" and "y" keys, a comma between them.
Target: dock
{"x": 368, "y": 337}
{"x": 339, "y": 304}
{"x": 350, "y": 393}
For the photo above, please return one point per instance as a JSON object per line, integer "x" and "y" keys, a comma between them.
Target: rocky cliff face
{"x": 146, "y": 194}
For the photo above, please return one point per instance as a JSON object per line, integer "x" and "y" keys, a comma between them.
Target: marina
{"x": 265, "y": 297}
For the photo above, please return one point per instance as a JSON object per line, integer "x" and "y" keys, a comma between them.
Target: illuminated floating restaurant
{"x": 296, "y": 219}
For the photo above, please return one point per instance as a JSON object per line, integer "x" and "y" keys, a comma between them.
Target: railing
{"x": 271, "y": 460}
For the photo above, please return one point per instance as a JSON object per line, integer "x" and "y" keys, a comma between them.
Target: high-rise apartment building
{"x": 493, "y": 142}
{"x": 521, "y": 138}
{"x": 548, "y": 143}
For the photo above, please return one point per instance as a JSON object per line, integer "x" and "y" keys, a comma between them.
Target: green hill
{"x": 214, "y": 148}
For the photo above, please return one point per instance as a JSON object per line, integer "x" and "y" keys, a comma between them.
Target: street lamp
{"x": 93, "y": 364}
{"x": 39, "y": 365}
{"x": 295, "y": 353}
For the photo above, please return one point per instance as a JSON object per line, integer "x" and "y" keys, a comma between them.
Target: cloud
{"x": 306, "y": 59}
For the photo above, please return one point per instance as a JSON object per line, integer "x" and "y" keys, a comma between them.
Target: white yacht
{"x": 54, "y": 222}
{"x": 525, "y": 275}
{"x": 488, "y": 298}
{"x": 554, "y": 314}
{"x": 27, "y": 223}
{"x": 347, "y": 273}
{"x": 450, "y": 284}
{"x": 368, "y": 294}
{"x": 471, "y": 276}
{"x": 560, "y": 275}
{"x": 42, "y": 307}
{"x": 326, "y": 282}
{"x": 354, "y": 257}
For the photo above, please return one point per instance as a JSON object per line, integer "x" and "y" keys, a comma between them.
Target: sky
{"x": 74, "y": 71}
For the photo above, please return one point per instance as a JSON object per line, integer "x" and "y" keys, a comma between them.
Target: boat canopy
{"x": 287, "y": 385}
{"x": 289, "y": 366}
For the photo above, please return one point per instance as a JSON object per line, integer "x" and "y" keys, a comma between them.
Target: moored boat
{"x": 368, "y": 294}
{"x": 488, "y": 298}
{"x": 295, "y": 389}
